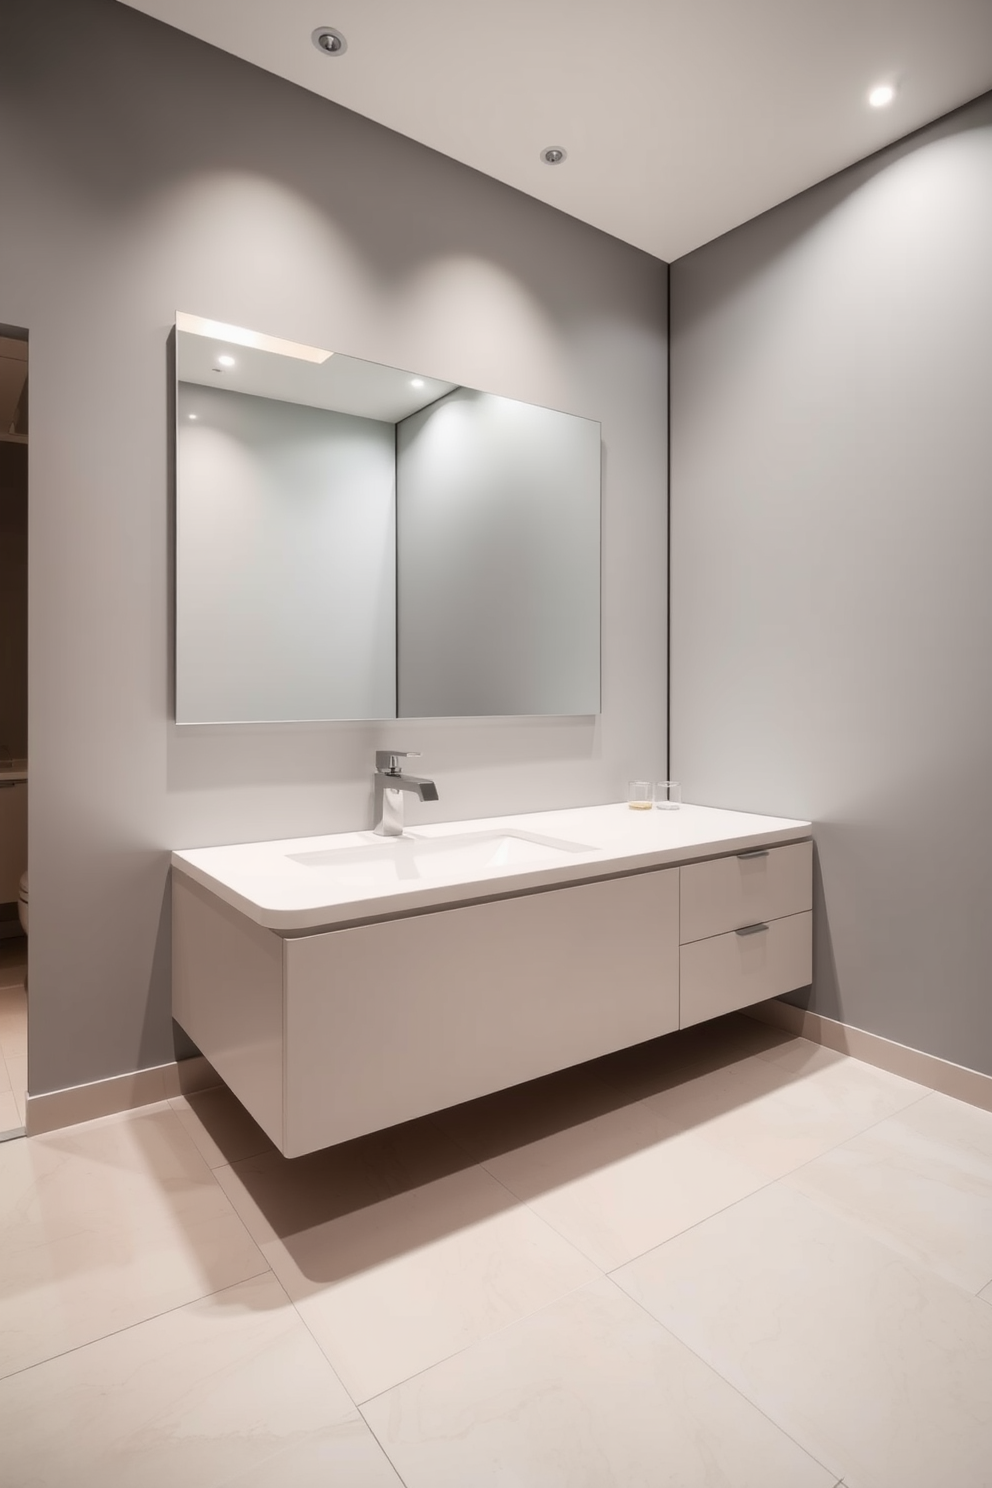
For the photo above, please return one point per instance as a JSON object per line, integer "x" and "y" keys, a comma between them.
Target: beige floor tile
{"x": 622, "y": 1182}
{"x": 523, "y": 1114}
{"x": 231, "y": 1388}
{"x": 13, "y": 964}
{"x": 646, "y": 1069}
{"x": 879, "y": 1368}
{"x": 397, "y": 1254}
{"x": 589, "y": 1393}
{"x": 105, "y": 1225}
{"x": 17, "y": 1071}
{"x": 220, "y": 1126}
{"x": 5, "y": 1084}
{"x": 10, "y": 1117}
{"x": 14, "y": 1035}
{"x": 343, "y": 1456}
{"x": 922, "y": 1181}
{"x": 774, "y": 1117}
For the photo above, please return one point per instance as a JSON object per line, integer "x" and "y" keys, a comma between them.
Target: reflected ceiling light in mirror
{"x": 225, "y": 361}
{"x": 217, "y": 330}
{"x": 881, "y": 95}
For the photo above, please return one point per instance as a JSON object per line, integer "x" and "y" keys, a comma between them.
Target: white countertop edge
{"x": 340, "y": 904}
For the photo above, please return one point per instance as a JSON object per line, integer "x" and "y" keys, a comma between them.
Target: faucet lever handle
{"x": 388, "y": 760}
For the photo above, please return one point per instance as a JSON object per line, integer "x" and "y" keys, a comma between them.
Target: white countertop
{"x": 264, "y": 882}
{"x": 16, "y": 770}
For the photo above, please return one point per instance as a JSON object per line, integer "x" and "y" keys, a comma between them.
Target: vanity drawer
{"x": 744, "y": 889}
{"x": 733, "y": 971}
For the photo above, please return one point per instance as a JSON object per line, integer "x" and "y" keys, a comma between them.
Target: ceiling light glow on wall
{"x": 881, "y": 94}
{"x": 197, "y": 325}
{"x": 329, "y": 41}
{"x": 554, "y": 155}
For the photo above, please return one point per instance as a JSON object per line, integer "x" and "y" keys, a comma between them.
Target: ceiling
{"x": 681, "y": 118}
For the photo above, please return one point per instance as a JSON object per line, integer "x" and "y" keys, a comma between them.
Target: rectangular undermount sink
{"x": 408, "y": 857}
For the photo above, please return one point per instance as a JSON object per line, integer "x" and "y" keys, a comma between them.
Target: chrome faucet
{"x": 390, "y": 783}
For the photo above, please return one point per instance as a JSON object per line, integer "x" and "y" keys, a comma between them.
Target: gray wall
{"x": 144, "y": 172}
{"x": 831, "y": 542}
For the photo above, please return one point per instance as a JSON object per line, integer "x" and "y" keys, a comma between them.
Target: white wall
{"x": 831, "y": 538}
{"x": 152, "y": 173}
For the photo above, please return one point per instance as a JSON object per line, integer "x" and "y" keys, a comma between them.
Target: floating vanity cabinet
{"x": 325, "y": 1037}
{"x": 343, "y": 984}
{"x": 745, "y": 927}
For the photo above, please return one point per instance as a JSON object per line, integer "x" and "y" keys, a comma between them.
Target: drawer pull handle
{"x": 758, "y": 852}
{"x": 751, "y": 930}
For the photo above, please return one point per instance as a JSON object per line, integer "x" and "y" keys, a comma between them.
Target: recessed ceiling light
{"x": 225, "y": 361}
{"x": 881, "y": 95}
{"x": 329, "y": 41}
{"x": 192, "y": 415}
{"x": 554, "y": 155}
{"x": 416, "y": 382}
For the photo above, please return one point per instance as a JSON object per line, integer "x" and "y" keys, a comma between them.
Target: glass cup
{"x": 639, "y": 795}
{"x": 667, "y": 795}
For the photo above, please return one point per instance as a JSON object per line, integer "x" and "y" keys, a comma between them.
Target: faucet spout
{"x": 389, "y": 786}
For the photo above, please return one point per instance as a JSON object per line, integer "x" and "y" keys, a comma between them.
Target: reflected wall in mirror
{"x": 354, "y": 541}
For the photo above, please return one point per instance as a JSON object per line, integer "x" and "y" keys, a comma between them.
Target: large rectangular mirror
{"x": 354, "y": 541}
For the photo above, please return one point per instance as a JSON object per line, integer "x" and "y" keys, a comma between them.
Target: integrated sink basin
{"x": 425, "y": 858}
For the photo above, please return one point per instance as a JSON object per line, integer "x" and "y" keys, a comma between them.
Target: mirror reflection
{"x": 355, "y": 541}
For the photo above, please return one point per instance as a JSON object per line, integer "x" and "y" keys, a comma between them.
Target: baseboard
{"x": 899, "y": 1059}
{"x": 119, "y": 1093}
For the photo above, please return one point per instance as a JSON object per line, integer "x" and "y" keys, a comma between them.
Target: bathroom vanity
{"x": 345, "y": 983}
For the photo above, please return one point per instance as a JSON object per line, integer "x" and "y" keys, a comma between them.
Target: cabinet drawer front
{"x": 734, "y": 971}
{"x": 726, "y": 893}
{"x": 385, "y": 1022}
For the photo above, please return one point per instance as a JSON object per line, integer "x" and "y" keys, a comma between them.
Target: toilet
{"x": 22, "y": 901}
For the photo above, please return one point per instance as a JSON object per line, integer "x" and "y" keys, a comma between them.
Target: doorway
{"x": 13, "y": 729}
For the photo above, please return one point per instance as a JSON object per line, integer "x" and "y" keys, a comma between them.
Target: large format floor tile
{"x": 778, "y": 1110}
{"x": 220, "y": 1127}
{"x": 622, "y": 1181}
{"x": 10, "y": 1116}
{"x": 231, "y": 1389}
{"x": 879, "y": 1368}
{"x": 588, "y": 1393}
{"x": 104, "y": 1225}
{"x": 921, "y": 1180}
{"x": 397, "y": 1254}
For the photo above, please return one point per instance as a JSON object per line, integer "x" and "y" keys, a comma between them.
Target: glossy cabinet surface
{"x": 326, "y": 1036}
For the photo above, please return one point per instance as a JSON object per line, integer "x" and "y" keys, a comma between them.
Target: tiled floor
{"x": 13, "y": 1032}
{"x": 728, "y": 1258}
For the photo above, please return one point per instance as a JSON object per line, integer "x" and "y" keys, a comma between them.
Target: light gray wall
{"x": 144, "y": 172}
{"x": 831, "y": 542}
{"x": 498, "y": 520}
{"x": 285, "y": 560}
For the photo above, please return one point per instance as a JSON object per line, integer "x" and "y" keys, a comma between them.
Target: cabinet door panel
{"x": 386, "y": 1022}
